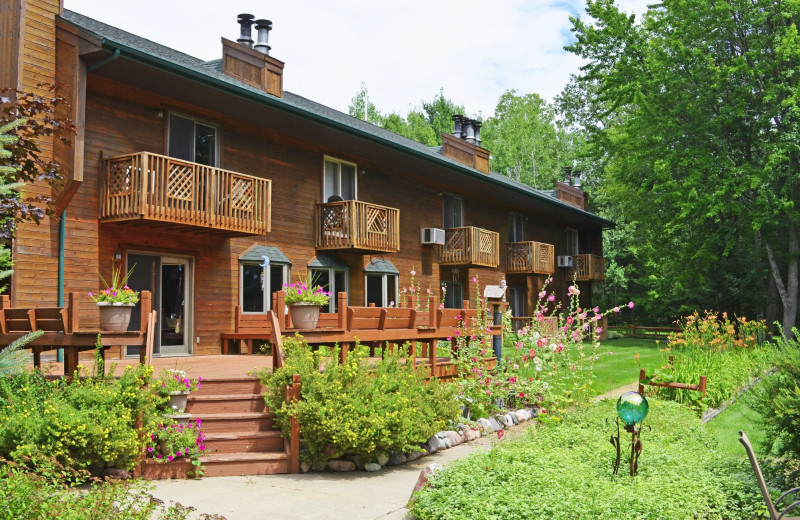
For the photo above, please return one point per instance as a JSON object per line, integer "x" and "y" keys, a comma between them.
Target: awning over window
{"x": 381, "y": 267}
{"x": 257, "y": 254}
{"x": 328, "y": 261}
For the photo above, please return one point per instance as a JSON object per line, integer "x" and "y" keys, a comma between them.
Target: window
{"x": 340, "y": 179}
{"x": 516, "y": 300}
{"x": 333, "y": 280}
{"x": 453, "y": 209}
{"x": 515, "y": 227}
{"x": 572, "y": 241}
{"x": 381, "y": 289}
{"x": 192, "y": 140}
{"x": 454, "y": 295}
{"x": 257, "y": 284}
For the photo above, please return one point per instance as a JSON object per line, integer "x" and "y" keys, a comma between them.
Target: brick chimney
{"x": 252, "y": 63}
{"x": 464, "y": 144}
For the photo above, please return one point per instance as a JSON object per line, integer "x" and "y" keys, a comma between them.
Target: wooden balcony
{"x": 530, "y": 258}
{"x": 470, "y": 246}
{"x": 353, "y": 224}
{"x": 588, "y": 268}
{"x": 159, "y": 189}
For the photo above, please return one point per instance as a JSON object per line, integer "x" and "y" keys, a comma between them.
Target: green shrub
{"x": 28, "y": 496}
{"x": 564, "y": 471}
{"x": 729, "y": 353}
{"x": 777, "y": 399}
{"x": 357, "y": 408}
{"x": 87, "y": 422}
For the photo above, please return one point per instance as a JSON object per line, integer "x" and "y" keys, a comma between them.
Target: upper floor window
{"x": 340, "y": 180}
{"x": 193, "y": 140}
{"x": 453, "y": 211}
{"x": 572, "y": 241}
{"x": 515, "y": 227}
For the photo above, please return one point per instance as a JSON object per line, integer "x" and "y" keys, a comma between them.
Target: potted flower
{"x": 304, "y": 300}
{"x": 178, "y": 441}
{"x": 116, "y": 301}
{"x": 174, "y": 384}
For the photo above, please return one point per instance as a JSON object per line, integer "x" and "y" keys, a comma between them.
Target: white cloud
{"x": 403, "y": 51}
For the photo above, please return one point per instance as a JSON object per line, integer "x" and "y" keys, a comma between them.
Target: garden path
{"x": 613, "y": 394}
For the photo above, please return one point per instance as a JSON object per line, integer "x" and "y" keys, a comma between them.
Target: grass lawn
{"x": 620, "y": 368}
{"x": 726, "y": 426}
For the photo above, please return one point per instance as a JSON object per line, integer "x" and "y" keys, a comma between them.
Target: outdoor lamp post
{"x": 632, "y": 408}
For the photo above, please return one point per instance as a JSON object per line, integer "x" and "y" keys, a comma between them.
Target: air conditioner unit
{"x": 433, "y": 236}
{"x": 564, "y": 261}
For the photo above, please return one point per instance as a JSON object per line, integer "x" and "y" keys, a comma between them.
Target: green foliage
{"x": 87, "y": 422}
{"x": 178, "y": 440}
{"x": 777, "y": 399}
{"x": 29, "y": 496}
{"x": 357, "y": 408}
{"x": 174, "y": 380}
{"x": 692, "y": 116}
{"x": 727, "y": 352}
{"x": 565, "y": 471}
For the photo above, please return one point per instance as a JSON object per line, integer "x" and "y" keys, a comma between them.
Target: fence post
{"x": 633, "y": 330}
{"x": 703, "y": 386}
{"x": 642, "y": 377}
{"x": 294, "y": 455}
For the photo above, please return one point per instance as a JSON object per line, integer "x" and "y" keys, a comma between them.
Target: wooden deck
{"x": 471, "y": 246}
{"x": 353, "y": 224}
{"x": 530, "y": 258}
{"x": 588, "y": 268}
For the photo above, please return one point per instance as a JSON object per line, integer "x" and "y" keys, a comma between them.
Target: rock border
{"x": 464, "y": 432}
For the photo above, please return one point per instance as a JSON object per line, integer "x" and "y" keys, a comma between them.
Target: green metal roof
{"x": 381, "y": 266}
{"x": 209, "y": 73}
{"x": 257, "y": 253}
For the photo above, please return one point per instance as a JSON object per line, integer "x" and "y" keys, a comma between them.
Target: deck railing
{"x": 530, "y": 257}
{"x": 471, "y": 246}
{"x": 588, "y": 268}
{"x": 353, "y": 224}
{"x": 154, "y": 187}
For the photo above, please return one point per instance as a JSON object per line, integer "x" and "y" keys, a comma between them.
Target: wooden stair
{"x": 240, "y": 438}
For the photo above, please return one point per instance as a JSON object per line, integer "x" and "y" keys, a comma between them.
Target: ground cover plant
{"x": 357, "y": 408}
{"x": 564, "y": 471}
{"x": 730, "y": 353}
{"x": 87, "y": 422}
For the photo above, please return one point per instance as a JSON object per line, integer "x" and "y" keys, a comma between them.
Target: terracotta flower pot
{"x": 114, "y": 317}
{"x": 304, "y": 315}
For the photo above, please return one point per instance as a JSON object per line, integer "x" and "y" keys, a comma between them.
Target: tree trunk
{"x": 788, "y": 292}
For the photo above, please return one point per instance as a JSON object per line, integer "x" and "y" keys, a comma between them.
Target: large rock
{"x": 513, "y": 417}
{"x": 371, "y": 466}
{"x": 341, "y": 465}
{"x": 495, "y": 425}
{"x": 434, "y": 444}
{"x": 414, "y": 455}
{"x": 382, "y": 458}
{"x": 305, "y": 467}
{"x": 427, "y": 472}
{"x": 445, "y": 438}
{"x": 503, "y": 420}
{"x": 486, "y": 425}
{"x": 522, "y": 415}
{"x": 454, "y": 438}
{"x": 395, "y": 459}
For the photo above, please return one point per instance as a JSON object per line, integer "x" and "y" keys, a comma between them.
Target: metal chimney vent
{"x": 263, "y": 27}
{"x": 246, "y": 34}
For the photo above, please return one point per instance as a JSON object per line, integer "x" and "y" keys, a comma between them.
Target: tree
{"x": 695, "y": 110}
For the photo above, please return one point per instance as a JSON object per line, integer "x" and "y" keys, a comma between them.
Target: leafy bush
{"x": 357, "y": 408}
{"x": 564, "y": 471}
{"x": 729, "y": 353}
{"x": 28, "y": 496}
{"x": 89, "y": 421}
{"x": 777, "y": 399}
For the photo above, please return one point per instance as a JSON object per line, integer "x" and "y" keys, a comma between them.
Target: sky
{"x": 403, "y": 52}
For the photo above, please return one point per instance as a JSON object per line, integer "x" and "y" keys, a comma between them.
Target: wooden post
{"x": 412, "y": 302}
{"x": 146, "y": 306}
{"x": 642, "y": 377}
{"x": 5, "y": 302}
{"x": 74, "y": 312}
{"x": 703, "y": 386}
{"x": 341, "y": 308}
{"x": 294, "y": 455}
{"x": 275, "y": 339}
{"x": 280, "y": 309}
{"x": 343, "y": 348}
{"x": 432, "y": 356}
{"x": 432, "y": 312}
{"x": 633, "y": 330}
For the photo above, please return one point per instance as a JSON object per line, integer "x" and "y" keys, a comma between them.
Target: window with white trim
{"x": 339, "y": 180}
{"x": 257, "y": 284}
{"x": 572, "y": 241}
{"x": 381, "y": 289}
{"x": 333, "y": 280}
{"x": 193, "y": 140}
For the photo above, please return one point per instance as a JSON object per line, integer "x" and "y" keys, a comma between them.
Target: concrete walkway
{"x": 355, "y": 495}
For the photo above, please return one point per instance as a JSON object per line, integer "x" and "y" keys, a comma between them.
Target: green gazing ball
{"x": 632, "y": 408}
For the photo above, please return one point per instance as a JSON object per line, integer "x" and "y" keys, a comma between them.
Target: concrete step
{"x": 225, "y": 403}
{"x": 269, "y": 441}
{"x": 236, "y": 422}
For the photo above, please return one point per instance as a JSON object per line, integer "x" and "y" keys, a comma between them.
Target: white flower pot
{"x": 304, "y": 315}
{"x": 114, "y": 317}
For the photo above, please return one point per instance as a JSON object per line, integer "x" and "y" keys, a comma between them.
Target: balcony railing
{"x": 352, "y": 224}
{"x": 471, "y": 246}
{"x": 588, "y": 268}
{"x": 530, "y": 258}
{"x": 147, "y": 186}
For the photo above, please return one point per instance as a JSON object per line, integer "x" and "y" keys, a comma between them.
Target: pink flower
{"x": 616, "y": 309}
{"x": 413, "y": 273}
{"x": 542, "y": 410}
{"x": 474, "y": 360}
{"x": 170, "y": 458}
{"x": 474, "y": 279}
{"x": 596, "y": 310}
{"x": 449, "y": 338}
{"x": 500, "y": 434}
{"x": 598, "y": 330}
{"x": 542, "y": 294}
{"x": 522, "y": 394}
{"x": 512, "y": 379}
{"x": 457, "y": 332}
{"x": 570, "y": 320}
{"x": 551, "y": 298}
{"x": 630, "y": 305}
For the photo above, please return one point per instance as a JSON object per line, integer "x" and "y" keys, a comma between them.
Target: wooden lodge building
{"x": 195, "y": 171}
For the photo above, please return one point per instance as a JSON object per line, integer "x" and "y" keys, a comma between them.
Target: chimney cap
{"x": 245, "y": 16}
{"x": 261, "y": 22}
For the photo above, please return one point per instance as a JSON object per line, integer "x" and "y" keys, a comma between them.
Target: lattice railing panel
{"x": 353, "y": 224}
